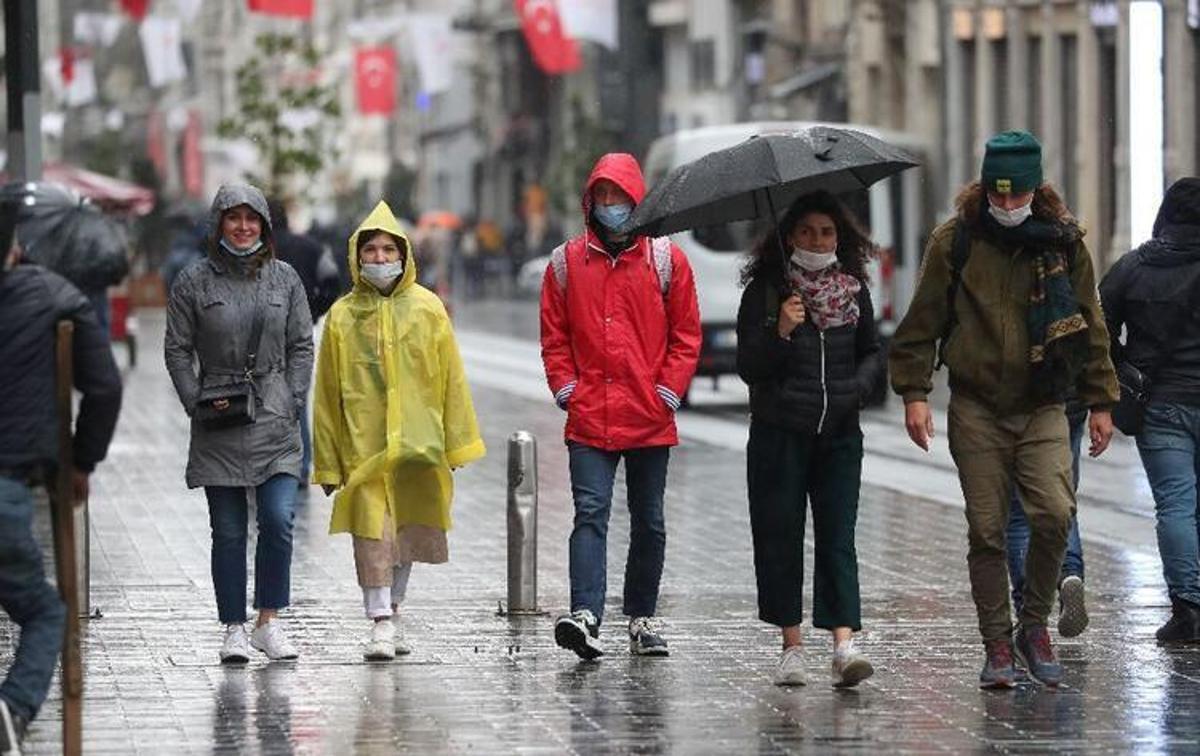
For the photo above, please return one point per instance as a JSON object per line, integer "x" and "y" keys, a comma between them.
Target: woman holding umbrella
{"x": 808, "y": 349}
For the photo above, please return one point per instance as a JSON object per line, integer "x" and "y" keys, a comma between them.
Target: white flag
{"x": 81, "y": 90}
{"x": 99, "y": 29}
{"x": 163, "y": 50}
{"x": 595, "y": 20}
{"x": 431, "y": 39}
{"x": 188, "y": 9}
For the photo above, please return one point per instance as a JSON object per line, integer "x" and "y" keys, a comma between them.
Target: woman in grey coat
{"x": 210, "y": 321}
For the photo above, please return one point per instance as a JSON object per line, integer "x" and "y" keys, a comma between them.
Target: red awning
{"x": 111, "y": 194}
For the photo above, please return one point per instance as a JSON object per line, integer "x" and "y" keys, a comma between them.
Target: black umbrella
{"x": 62, "y": 231}
{"x": 764, "y": 174}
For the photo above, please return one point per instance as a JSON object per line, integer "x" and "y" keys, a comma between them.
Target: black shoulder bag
{"x": 238, "y": 395}
{"x": 1129, "y": 414}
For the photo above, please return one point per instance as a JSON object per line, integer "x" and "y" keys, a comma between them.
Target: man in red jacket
{"x": 620, "y": 342}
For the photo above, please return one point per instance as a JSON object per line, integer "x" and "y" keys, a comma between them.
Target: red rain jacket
{"x": 620, "y": 337}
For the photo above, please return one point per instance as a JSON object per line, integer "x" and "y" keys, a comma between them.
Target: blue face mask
{"x": 612, "y": 217}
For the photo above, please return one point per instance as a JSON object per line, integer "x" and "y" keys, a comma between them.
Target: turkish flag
{"x": 553, "y": 51}
{"x": 289, "y": 8}
{"x": 136, "y": 8}
{"x": 375, "y": 80}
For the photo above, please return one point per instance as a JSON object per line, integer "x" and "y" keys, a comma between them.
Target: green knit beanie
{"x": 1012, "y": 163}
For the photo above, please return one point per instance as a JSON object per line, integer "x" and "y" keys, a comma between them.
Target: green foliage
{"x": 279, "y": 79}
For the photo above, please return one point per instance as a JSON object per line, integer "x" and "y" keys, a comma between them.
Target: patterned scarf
{"x": 1058, "y": 338}
{"x": 830, "y": 296}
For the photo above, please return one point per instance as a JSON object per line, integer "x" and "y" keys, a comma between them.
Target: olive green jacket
{"x": 988, "y": 351}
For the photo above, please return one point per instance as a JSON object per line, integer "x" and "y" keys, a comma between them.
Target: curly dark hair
{"x": 854, "y": 243}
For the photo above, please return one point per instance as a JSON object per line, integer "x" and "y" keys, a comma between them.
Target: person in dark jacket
{"x": 1153, "y": 293}
{"x": 808, "y": 349}
{"x": 319, "y": 274}
{"x": 32, "y": 301}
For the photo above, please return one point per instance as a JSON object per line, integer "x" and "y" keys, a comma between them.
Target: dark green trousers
{"x": 786, "y": 470}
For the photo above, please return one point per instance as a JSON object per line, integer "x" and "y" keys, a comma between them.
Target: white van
{"x": 894, "y": 210}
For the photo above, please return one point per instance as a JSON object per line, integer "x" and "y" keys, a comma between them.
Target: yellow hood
{"x": 382, "y": 219}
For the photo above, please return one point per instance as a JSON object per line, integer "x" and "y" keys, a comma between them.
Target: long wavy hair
{"x": 854, "y": 244}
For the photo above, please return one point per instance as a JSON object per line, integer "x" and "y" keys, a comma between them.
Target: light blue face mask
{"x": 612, "y": 217}
{"x": 240, "y": 252}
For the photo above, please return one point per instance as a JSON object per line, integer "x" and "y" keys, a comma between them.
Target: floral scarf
{"x": 830, "y": 295}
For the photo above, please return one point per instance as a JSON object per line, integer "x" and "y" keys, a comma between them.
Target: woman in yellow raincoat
{"x": 392, "y": 417}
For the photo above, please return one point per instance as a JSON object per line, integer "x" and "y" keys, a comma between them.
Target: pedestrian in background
{"x": 393, "y": 417}
{"x": 1153, "y": 293}
{"x": 620, "y": 343}
{"x": 32, "y": 301}
{"x": 1007, "y": 296}
{"x": 319, "y": 274}
{"x": 808, "y": 350}
{"x": 241, "y": 315}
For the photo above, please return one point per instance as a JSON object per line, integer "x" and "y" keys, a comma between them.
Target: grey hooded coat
{"x": 210, "y": 315}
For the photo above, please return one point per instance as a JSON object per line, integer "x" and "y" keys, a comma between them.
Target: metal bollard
{"x": 522, "y": 524}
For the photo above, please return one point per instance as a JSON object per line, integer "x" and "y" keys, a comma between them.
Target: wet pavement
{"x": 478, "y": 682}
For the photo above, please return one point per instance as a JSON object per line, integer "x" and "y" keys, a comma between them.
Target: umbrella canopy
{"x": 763, "y": 176}
{"x": 62, "y": 231}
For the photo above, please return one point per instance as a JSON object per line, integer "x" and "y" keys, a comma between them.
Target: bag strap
{"x": 256, "y": 328}
{"x": 960, "y": 250}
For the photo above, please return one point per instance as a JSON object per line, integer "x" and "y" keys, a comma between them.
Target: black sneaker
{"x": 1072, "y": 612}
{"x": 1033, "y": 648}
{"x": 579, "y": 632}
{"x": 645, "y": 637}
{"x": 12, "y": 730}
{"x": 1184, "y": 625}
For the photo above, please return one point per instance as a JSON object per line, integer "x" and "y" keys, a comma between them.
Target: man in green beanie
{"x": 1007, "y": 300}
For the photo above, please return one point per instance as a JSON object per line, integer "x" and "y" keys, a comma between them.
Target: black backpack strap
{"x": 959, "y": 251}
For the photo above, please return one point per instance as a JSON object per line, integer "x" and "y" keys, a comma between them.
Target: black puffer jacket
{"x": 815, "y": 382}
{"x": 1154, "y": 292}
{"x": 32, "y": 301}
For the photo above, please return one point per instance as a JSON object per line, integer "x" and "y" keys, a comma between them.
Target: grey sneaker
{"x": 645, "y": 637}
{"x": 579, "y": 632}
{"x": 790, "y": 668}
{"x": 849, "y": 667}
{"x": 1072, "y": 613}
{"x": 12, "y": 730}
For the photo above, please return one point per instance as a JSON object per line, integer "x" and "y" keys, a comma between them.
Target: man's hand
{"x": 791, "y": 314}
{"x": 79, "y": 487}
{"x": 1100, "y": 430}
{"x": 328, "y": 488}
{"x": 918, "y": 421}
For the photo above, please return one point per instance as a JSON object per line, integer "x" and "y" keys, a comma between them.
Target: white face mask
{"x": 228, "y": 245}
{"x": 383, "y": 275}
{"x": 812, "y": 261}
{"x": 1011, "y": 218}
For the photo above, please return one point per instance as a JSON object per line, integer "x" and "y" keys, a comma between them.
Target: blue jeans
{"x": 592, "y": 474}
{"x": 1018, "y": 528}
{"x": 30, "y": 601}
{"x": 1169, "y": 445}
{"x": 228, "y": 514}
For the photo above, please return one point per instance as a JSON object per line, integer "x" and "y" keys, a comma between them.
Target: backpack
{"x": 660, "y": 251}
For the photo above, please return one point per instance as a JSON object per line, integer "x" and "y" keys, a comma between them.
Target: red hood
{"x": 622, "y": 169}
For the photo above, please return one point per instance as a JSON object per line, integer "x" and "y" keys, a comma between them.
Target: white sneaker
{"x": 790, "y": 669}
{"x": 849, "y": 667}
{"x": 401, "y": 644}
{"x": 272, "y": 641}
{"x": 381, "y": 646}
{"x": 236, "y": 647}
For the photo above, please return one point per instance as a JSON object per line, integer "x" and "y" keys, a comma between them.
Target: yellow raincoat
{"x": 392, "y": 413}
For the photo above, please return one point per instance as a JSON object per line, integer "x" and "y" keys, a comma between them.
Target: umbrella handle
{"x": 785, "y": 281}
